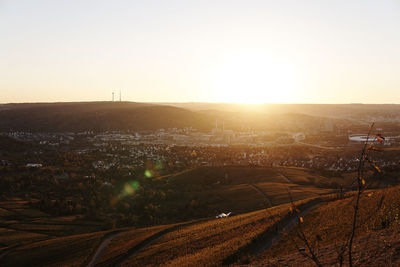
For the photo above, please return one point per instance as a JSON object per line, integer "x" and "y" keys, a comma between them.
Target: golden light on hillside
{"x": 253, "y": 78}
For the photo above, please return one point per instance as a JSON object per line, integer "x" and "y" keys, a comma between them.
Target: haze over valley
{"x": 199, "y": 133}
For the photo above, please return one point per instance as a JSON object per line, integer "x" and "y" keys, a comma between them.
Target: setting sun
{"x": 263, "y": 52}
{"x": 254, "y": 78}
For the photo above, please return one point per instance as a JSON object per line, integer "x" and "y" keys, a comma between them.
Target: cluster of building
{"x": 219, "y": 136}
{"x": 188, "y": 147}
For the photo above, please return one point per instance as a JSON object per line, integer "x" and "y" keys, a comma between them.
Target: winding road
{"x": 100, "y": 250}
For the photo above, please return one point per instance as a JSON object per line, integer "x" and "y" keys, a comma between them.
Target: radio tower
{"x": 112, "y": 97}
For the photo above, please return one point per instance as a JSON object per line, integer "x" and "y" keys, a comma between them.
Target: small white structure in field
{"x": 34, "y": 165}
{"x": 223, "y": 215}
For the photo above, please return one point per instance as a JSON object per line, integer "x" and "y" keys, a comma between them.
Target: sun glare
{"x": 254, "y": 79}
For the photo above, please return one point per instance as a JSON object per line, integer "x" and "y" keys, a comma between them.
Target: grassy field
{"x": 210, "y": 243}
{"x": 211, "y": 175}
{"x": 201, "y": 192}
{"x": 18, "y": 215}
{"x": 330, "y": 224}
{"x": 39, "y": 239}
{"x": 314, "y": 178}
{"x": 278, "y": 192}
{"x": 10, "y": 237}
{"x": 212, "y": 190}
{"x": 55, "y": 229}
{"x": 31, "y": 236}
{"x": 121, "y": 244}
{"x": 64, "y": 251}
{"x": 382, "y": 250}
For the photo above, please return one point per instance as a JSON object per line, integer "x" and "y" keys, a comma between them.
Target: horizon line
{"x": 192, "y": 102}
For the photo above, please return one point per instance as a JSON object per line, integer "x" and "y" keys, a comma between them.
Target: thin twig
{"x": 359, "y": 192}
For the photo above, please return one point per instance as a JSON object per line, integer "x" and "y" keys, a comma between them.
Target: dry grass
{"x": 5, "y": 213}
{"x": 237, "y": 198}
{"x": 55, "y": 229}
{"x": 384, "y": 250}
{"x": 9, "y": 237}
{"x": 64, "y": 251}
{"x": 209, "y": 243}
{"x": 235, "y": 174}
{"x": 278, "y": 192}
{"x": 23, "y": 221}
{"x": 31, "y": 213}
{"x": 218, "y": 189}
{"x": 330, "y": 223}
{"x": 307, "y": 176}
{"x": 121, "y": 244}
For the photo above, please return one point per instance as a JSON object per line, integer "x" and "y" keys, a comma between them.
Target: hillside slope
{"x": 210, "y": 190}
{"x": 97, "y": 116}
{"x": 237, "y": 239}
{"x": 328, "y": 226}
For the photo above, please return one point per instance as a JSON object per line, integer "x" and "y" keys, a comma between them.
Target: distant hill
{"x": 343, "y": 111}
{"x": 109, "y": 116}
{"x": 97, "y": 116}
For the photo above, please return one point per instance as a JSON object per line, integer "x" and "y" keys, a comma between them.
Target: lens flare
{"x": 135, "y": 185}
{"x": 148, "y": 173}
{"x": 129, "y": 189}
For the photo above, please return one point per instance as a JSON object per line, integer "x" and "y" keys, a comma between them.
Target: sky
{"x": 200, "y": 51}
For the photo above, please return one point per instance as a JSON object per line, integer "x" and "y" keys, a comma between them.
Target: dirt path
{"x": 285, "y": 177}
{"x": 132, "y": 251}
{"x": 284, "y": 227}
{"x": 259, "y": 190}
{"x": 143, "y": 244}
{"x": 100, "y": 250}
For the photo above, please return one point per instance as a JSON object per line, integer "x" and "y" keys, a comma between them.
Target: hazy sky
{"x": 214, "y": 51}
